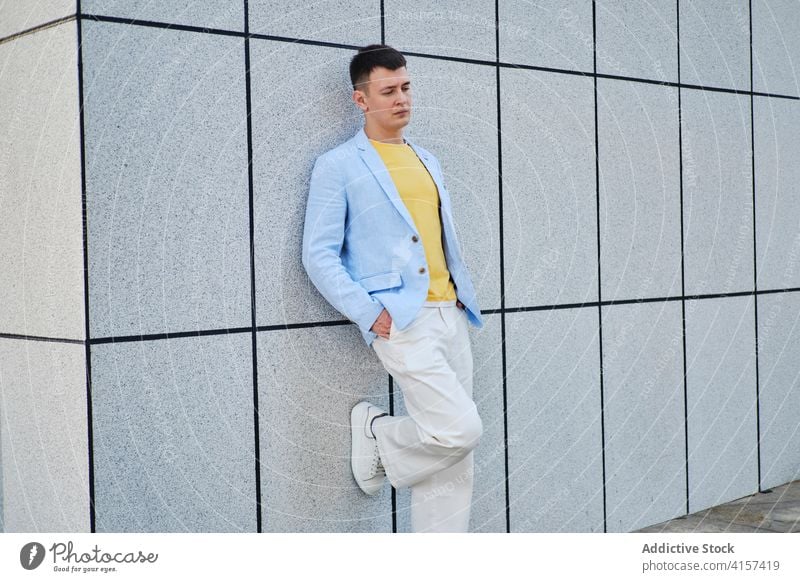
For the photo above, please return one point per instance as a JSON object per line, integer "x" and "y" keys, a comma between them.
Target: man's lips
{"x": 401, "y": 112}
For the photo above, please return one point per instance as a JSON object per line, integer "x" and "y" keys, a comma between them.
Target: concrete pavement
{"x": 775, "y": 510}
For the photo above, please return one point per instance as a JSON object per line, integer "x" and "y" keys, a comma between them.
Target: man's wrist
{"x": 372, "y": 318}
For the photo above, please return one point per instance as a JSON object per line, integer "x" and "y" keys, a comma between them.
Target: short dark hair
{"x": 372, "y": 56}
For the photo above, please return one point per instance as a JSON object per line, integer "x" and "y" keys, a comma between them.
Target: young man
{"x": 380, "y": 245}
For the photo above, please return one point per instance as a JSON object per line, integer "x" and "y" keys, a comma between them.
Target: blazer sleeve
{"x": 323, "y": 236}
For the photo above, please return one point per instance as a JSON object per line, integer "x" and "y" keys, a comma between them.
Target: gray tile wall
{"x": 16, "y": 17}
{"x": 776, "y": 127}
{"x": 44, "y": 452}
{"x": 549, "y": 33}
{"x": 608, "y": 222}
{"x": 637, "y": 39}
{"x": 458, "y": 29}
{"x": 640, "y": 204}
{"x": 221, "y": 14}
{"x": 40, "y": 186}
{"x": 717, "y": 192}
{"x": 776, "y": 46}
{"x": 44, "y": 433}
{"x": 721, "y": 400}
{"x": 166, "y": 180}
{"x": 353, "y": 23}
{"x": 779, "y": 407}
{"x": 174, "y": 446}
{"x": 644, "y": 430}
{"x": 549, "y": 197}
{"x": 714, "y": 43}
{"x": 555, "y": 447}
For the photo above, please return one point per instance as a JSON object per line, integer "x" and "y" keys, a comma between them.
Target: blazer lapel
{"x": 375, "y": 164}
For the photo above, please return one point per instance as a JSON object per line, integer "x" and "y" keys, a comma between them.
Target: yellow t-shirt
{"x": 418, "y": 192}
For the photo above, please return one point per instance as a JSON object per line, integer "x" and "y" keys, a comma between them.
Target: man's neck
{"x": 382, "y": 135}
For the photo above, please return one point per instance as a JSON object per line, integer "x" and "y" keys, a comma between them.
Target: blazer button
{"x": 422, "y": 269}
{"x": 414, "y": 238}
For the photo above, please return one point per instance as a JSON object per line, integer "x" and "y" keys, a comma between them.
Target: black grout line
{"x": 383, "y": 23}
{"x": 599, "y": 280}
{"x": 785, "y": 290}
{"x": 504, "y": 360}
{"x": 87, "y": 342}
{"x": 41, "y": 338}
{"x": 394, "y": 491}
{"x": 609, "y": 302}
{"x": 391, "y": 380}
{"x": 683, "y": 270}
{"x": 159, "y": 24}
{"x": 693, "y": 86}
{"x": 171, "y": 335}
{"x": 316, "y": 324}
{"x": 254, "y": 328}
{"x": 755, "y": 268}
{"x": 38, "y": 27}
{"x": 495, "y": 63}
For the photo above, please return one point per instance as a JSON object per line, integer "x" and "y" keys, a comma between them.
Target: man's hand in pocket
{"x": 382, "y": 325}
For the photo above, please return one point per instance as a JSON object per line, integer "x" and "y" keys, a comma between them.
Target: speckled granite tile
{"x": 721, "y": 400}
{"x": 549, "y": 189}
{"x": 546, "y": 33}
{"x": 224, "y": 14}
{"x": 44, "y": 437}
{"x": 457, "y": 29}
{"x": 553, "y": 408}
{"x": 715, "y": 43}
{"x": 640, "y": 204}
{"x": 637, "y": 39}
{"x": 41, "y": 240}
{"x": 779, "y": 387}
{"x": 174, "y": 444}
{"x": 352, "y": 23}
{"x": 776, "y": 46}
{"x": 17, "y": 16}
{"x": 166, "y": 180}
{"x": 717, "y": 192}
{"x": 645, "y": 453}
{"x": 777, "y": 160}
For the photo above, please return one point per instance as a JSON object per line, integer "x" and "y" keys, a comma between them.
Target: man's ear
{"x": 358, "y": 99}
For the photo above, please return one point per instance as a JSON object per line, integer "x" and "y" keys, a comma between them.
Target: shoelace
{"x": 376, "y": 469}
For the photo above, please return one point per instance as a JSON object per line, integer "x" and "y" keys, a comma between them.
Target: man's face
{"x": 386, "y": 98}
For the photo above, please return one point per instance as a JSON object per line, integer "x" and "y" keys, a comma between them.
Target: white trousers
{"x": 431, "y": 449}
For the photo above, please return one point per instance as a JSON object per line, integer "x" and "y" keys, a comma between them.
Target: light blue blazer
{"x": 361, "y": 248}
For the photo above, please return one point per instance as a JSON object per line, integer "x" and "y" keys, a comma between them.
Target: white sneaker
{"x": 365, "y": 458}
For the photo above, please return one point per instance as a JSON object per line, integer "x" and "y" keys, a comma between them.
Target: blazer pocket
{"x": 381, "y": 281}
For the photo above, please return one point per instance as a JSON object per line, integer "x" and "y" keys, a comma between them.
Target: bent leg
{"x": 443, "y": 425}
